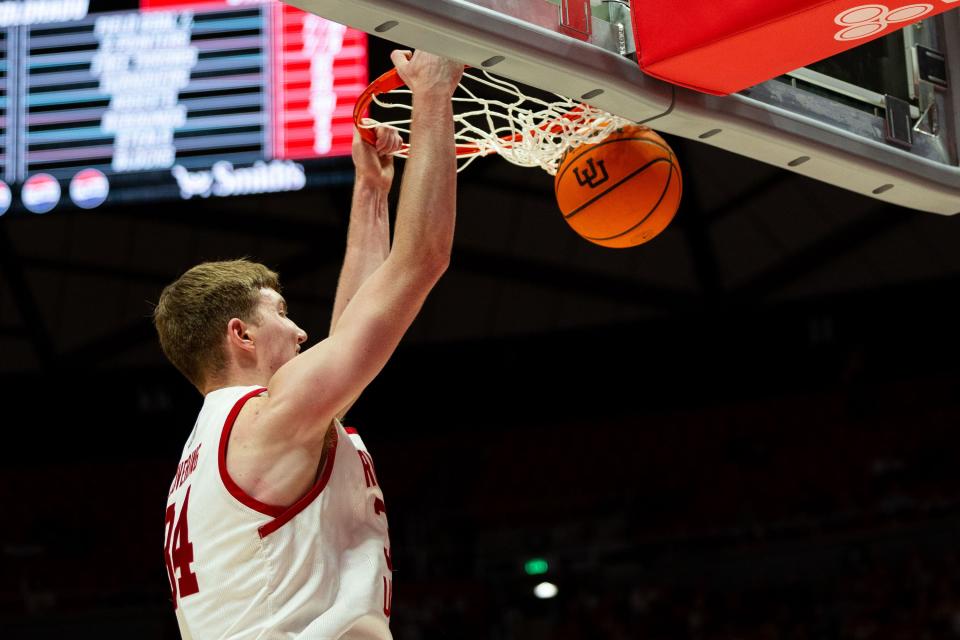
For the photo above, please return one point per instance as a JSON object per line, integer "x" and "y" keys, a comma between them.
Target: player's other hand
{"x": 424, "y": 72}
{"x": 374, "y": 164}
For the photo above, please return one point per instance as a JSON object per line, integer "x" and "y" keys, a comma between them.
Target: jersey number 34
{"x": 180, "y": 556}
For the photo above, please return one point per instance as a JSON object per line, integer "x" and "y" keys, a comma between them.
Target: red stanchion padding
{"x": 723, "y": 46}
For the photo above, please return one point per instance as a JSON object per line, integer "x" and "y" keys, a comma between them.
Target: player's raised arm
{"x": 368, "y": 234}
{"x": 307, "y": 392}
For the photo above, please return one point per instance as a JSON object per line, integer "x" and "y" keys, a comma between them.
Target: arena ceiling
{"x": 76, "y": 288}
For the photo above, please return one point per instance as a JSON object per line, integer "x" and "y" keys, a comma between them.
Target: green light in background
{"x": 535, "y": 566}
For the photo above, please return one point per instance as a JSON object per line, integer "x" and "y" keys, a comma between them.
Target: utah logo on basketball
{"x": 590, "y": 175}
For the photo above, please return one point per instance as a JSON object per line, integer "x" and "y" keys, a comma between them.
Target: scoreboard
{"x": 170, "y": 99}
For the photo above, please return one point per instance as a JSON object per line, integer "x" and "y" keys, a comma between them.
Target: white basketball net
{"x": 525, "y": 130}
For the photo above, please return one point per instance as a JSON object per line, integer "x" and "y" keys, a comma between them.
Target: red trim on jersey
{"x": 228, "y": 482}
{"x": 311, "y": 495}
{"x": 351, "y": 431}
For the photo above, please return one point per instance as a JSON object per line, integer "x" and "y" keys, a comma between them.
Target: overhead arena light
{"x": 545, "y": 590}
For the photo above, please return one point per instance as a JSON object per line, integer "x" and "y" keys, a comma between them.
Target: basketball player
{"x": 276, "y": 526}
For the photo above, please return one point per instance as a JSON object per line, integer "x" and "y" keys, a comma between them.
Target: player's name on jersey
{"x": 186, "y": 467}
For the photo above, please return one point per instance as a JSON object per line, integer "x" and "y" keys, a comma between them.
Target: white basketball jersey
{"x": 319, "y": 569}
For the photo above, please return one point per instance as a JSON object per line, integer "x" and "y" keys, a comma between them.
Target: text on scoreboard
{"x": 205, "y": 95}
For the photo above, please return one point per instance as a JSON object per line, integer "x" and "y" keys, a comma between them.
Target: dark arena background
{"x": 745, "y": 429}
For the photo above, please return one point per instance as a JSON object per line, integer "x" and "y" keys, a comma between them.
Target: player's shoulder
{"x": 264, "y": 417}
{"x": 227, "y": 407}
{"x": 251, "y": 406}
{"x": 234, "y": 397}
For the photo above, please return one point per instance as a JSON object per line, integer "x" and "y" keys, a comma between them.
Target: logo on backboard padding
{"x": 591, "y": 175}
{"x": 870, "y": 19}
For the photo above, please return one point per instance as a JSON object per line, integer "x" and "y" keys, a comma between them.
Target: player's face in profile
{"x": 279, "y": 338}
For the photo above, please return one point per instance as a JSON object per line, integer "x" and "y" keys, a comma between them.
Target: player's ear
{"x": 238, "y": 334}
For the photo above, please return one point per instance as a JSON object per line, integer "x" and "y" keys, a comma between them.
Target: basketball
{"x": 622, "y": 191}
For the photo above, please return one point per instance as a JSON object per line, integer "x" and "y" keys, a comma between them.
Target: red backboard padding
{"x": 723, "y": 46}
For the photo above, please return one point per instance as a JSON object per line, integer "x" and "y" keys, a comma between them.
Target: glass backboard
{"x": 881, "y": 119}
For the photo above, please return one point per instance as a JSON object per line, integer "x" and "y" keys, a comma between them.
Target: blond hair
{"x": 193, "y": 313}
